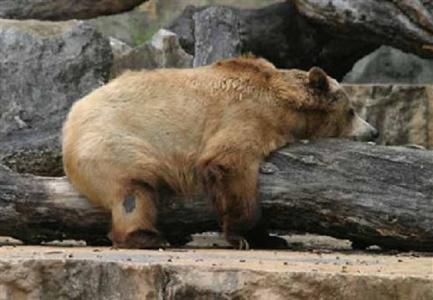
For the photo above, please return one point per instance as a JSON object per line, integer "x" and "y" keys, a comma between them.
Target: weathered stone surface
{"x": 44, "y": 68}
{"x": 403, "y": 24}
{"x": 402, "y": 113}
{"x": 89, "y": 273}
{"x": 183, "y": 26}
{"x": 389, "y": 65}
{"x": 216, "y": 33}
{"x": 163, "y": 51}
{"x": 63, "y": 9}
{"x": 301, "y": 34}
{"x": 276, "y": 32}
{"x": 118, "y": 47}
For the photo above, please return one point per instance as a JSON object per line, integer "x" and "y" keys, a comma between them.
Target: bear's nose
{"x": 375, "y": 134}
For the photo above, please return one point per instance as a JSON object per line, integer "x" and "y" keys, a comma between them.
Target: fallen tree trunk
{"x": 403, "y": 24}
{"x": 368, "y": 194}
{"x": 63, "y": 9}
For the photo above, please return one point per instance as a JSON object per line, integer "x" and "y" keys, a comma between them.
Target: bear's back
{"x": 169, "y": 108}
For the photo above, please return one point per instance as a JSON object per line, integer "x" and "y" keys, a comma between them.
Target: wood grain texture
{"x": 368, "y": 194}
{"x": 403, "y": 24}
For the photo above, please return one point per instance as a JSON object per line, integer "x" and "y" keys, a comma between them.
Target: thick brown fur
{"x": 190, "y": 130}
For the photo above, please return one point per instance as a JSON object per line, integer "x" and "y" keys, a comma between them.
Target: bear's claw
{"x": 243, "y": 244}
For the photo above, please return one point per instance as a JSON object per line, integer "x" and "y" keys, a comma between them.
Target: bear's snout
{"x": 363, "y": 131}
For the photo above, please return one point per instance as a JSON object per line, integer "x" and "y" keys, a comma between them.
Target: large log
{"x": 368, "y": 194}
{"x": 403, "y": 24}
{"x": 63, "y": 9}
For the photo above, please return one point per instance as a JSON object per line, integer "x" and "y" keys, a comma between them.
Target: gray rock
{"x": 403, "y": 114}
{"x": 389, "y": 65}
{"x": 276, "y": 32}
{"x": 171, "y": 54}
{"x": 44, "y": 68}
{"x": 118, "y": 47}
{"x": 183, "y": 26}
{"x": 300, "y": 34}
{"x": 163, "y": 51}
{"x": 216, "y": 35}
{"x": 63, "y": 9}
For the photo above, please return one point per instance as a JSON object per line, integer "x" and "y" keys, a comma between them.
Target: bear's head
{"x": 322, "y": 107}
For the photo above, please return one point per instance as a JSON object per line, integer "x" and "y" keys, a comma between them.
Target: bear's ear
{"x": 318, "y": 79}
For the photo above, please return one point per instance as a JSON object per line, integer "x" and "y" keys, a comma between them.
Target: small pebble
{"x": 53, "y": 252}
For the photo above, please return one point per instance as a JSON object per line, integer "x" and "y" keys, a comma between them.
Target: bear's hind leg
{"x": 134, "y": 219}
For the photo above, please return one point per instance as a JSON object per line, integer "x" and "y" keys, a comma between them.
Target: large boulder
{"x": 302, "y": 34}
{"x": 63, "y": 9}
{"x": 276, "y": 32}
{"x": 217, "y": 35}
{"x": 402, "y": 113}
{"x": 45, "y": 67}
{"x": 389, "y": 65}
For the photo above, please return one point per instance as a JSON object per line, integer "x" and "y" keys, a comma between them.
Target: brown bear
{"x": 192, "y": 130}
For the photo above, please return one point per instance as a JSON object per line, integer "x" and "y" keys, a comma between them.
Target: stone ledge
{"x": 103, "y": 273}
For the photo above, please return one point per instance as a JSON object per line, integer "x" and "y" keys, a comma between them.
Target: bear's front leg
{"x": 232, "y": 188}
{"x": 231, "y": 183}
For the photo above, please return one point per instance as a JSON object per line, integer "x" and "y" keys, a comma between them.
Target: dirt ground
{"x": 270, "y": 261}
{"x": 308, "y": 252}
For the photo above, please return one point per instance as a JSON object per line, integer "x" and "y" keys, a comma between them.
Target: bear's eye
{"x": 351, "y": 112}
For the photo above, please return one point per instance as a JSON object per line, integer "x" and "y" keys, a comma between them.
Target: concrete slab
{"x": 28, "y": 272}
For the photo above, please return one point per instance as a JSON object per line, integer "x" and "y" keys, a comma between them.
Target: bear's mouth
{"x": 367, "y": 137}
